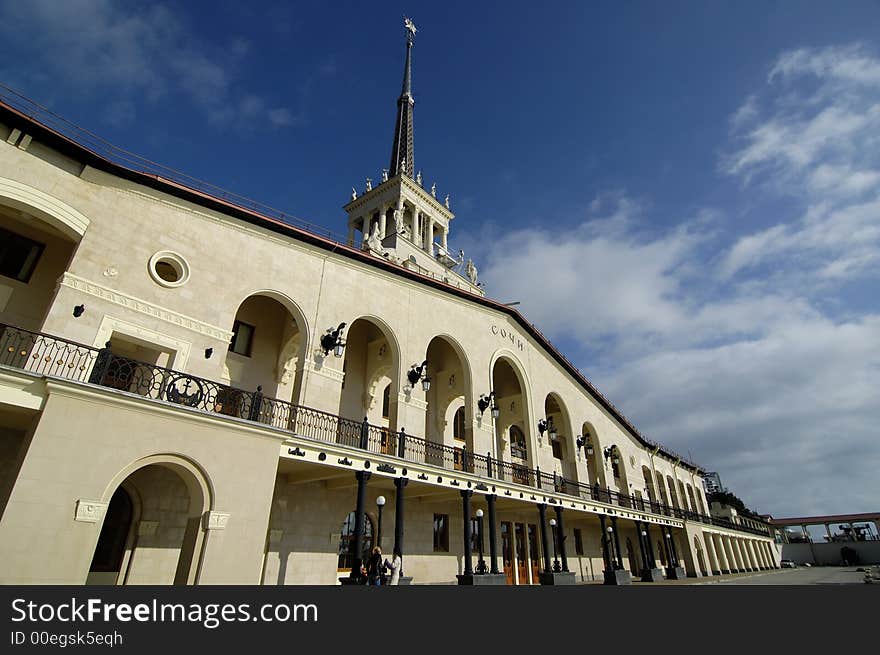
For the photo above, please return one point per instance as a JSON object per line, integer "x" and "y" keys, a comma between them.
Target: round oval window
{"x": 169, "y": 269}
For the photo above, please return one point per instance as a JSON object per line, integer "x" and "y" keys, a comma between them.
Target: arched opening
{"x": 690, "y": 492}
{"x": 513, "y": 432}
{"x": 107, "y": 561}
{"x": 684, "y": 498}
{"x": 701, "y": 560}
{"x": 36, "y": 251}
{"x": 152, "y": 529}
{"x": 650, "y": 491}
{"x": 616, "y": 465}
{"x": 448, "y": 399}
{"x": 370, "y": 370}
{"x": 563, "y": 445}
{"x": 595, "y": 465}
{"x": 346, "y": 550}
{"x": 672, "y": 493}
{"x": 267, "y": 349}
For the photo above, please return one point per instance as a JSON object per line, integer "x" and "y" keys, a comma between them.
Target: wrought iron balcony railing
{"x": 51, "y": 356}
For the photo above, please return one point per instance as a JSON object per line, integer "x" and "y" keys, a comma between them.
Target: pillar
{"x": 383, "y": 220}
{"x": 357, "y": 559}
{"x": 493, "y": 543}
{"x": 712, "y": 554}
{"x": 754, "y": 556}
{"x": 429, "y": 241}
{"x": 416, "y": 227}
{"x": 542, "y": 517}
{"x": 722, "y": 554}
{"x": 828, "y": 533}
{"x": 560, "y": 538}
{"x": 400, "y": 484}
{"x": 466, "y": 518}
{"x": 606, "y": 556}
{"x": 642, "y": 550}
{"x": 617, "y": 543}
{"x": 651, "y": 556}
{"x": 444, "y": 233}
{"x": 350, "y": 233}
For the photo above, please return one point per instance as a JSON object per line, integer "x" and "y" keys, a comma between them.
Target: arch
{"x": 564, "y": 446}
{"x": 514, "y": 403}
{"x": 198, "y": 491}
{"x": 701, "y": 560}
{"x": 451, "y": 386}
{"x": 41, "y": 205}
{"x": 673, "y": 494}
{"x": 371, "y": 360}
{"x": 691, "y": 498}
{"x": 595, "y": 465}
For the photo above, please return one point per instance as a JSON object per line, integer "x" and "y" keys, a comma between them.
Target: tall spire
{"x": 402, "y": 157}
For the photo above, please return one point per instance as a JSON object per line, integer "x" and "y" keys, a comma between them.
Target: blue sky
{"x": 685, "y": 196}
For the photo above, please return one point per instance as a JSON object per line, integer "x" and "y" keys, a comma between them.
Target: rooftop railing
{"x": 51, "y": 356}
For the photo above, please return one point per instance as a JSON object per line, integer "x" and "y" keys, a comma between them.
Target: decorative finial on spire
{"x": 354, "y": 194}
{"x": 410, "y": 28}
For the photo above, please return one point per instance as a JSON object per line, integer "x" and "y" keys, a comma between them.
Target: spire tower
{"x": 402, "y": 156}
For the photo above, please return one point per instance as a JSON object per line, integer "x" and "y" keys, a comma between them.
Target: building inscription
{"x": 511, "y": 336}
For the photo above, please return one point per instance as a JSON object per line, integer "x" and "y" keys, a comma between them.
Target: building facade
{"x": 195, "y": 391}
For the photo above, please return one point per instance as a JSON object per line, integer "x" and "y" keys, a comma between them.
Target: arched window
{"x": 458, "y": 424}
{"x": 346, "y": 541}
{"x": 517, "y": 443}
{"x": 386, "y": 401}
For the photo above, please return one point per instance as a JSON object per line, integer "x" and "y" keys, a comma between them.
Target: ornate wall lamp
{"x": 583, "y": 441}
{"x": 78, "y": 311}
{"x": 485, "y": 401}
{"x": 546, "y": 425}
{"x": 417, "y": 373}
{"x": 332, "y": 340}
{"x": 612, "y": 454}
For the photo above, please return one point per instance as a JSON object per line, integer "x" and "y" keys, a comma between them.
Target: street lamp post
{"x": 481, "y": 563}
{"x": 380, "y": 503}
{"x": 556, "y": 566}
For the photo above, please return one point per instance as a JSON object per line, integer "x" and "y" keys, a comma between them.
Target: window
{"x": 458, "y": 424}
{"x": 386, "y": 401}
{"x": 578, "y": 542}
{"x": 242, "y": 338}
{"x": 441, "y": 533}
{"x": 556, "y": 445}
{"x": 168, "y": 269}
{"x": 517, "y": 443}
{"x": 18, "y": 255}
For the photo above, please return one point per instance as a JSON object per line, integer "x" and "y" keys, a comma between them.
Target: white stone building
{"x": 181, "y": 403}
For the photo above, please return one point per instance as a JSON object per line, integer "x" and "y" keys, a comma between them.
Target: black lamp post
{"x": 481, "y": 564}
{"x": 380, "y": 503}
{"x": 556, "y": 567}
{"x": 610, "y": 532}
{"x": 332, "y": 340}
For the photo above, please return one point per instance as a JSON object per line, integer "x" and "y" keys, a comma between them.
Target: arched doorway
{"x": 595, "y": 465}
{"x": 370, "y": 367}
{"x": 448, "y": 416}
{"x": 152, "y": 530}
{"x": 108, "y": 561}
{"x": 563, "y": 445}
{"x": 267, "y": 349}
{"x": 514, "y": 443}
{"x": 346, "y": 549}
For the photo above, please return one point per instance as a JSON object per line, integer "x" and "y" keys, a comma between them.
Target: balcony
{"x": 50, "y": 356}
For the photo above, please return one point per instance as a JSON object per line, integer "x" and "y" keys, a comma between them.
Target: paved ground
{"x": 813, "y": 575}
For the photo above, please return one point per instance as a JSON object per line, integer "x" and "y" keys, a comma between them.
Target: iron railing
{"x": 50, "y": 356}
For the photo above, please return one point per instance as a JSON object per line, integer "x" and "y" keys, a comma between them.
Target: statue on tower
{"x": 403, "y": 165}
{"x": 419, "y": 178}
{"x": 446, "y": 202}
{"x": 434, "y": 189}
{"x": 471, "y": 271}
{"x": 398, "y": 221}
{"x": 384, "y": 174}
{"x": 369, "y": 184}
{"x": 354, "y": 194}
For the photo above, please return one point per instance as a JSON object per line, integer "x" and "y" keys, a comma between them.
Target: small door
{"x": 507, "y": 552}
{"x": 534, "y": 553}
{"x": 521, "y": 561}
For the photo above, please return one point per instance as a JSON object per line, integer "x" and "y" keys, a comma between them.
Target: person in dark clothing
{"x": 374, "y": 568}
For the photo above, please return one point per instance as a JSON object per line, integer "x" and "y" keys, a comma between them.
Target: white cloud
{"x": 128, "y": 53}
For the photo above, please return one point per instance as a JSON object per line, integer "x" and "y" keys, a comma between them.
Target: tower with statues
{"x": 399, "y": 219}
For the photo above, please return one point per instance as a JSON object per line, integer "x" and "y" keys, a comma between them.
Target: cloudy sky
{"x": 685, "y": 197}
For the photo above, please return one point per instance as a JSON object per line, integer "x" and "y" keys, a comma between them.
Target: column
{"x": 617, "y": 543}
{"x": 466, "y": 518}
{"x": 652, "y": 560}
{"x": 606, "y": 556}
{"x": 560, "y": 538}
{"x": 713, "y": 554}
{"x": 722, "y": 554}
{"x": 493, "y": 544}
{"x": 416, "y": 227}
{"x": 754, "y": 556}
{"x": 400, "y": 484}
{"x": 542, "y": 517}
{"x": 383, "y": 219}
{"x": 642, "y": 550}
{"x": 429, "y": 245}
{"x": 357, "y": 559}
{"x": 828, "y": 533}
{"x": 350, "y": 233}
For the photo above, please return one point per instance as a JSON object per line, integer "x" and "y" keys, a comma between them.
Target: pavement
{"x": 803, "y": 575}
